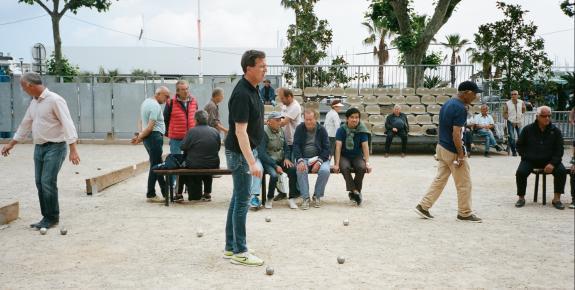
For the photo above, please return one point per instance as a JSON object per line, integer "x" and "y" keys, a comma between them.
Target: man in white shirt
{"x": 513, "y": 113}
{"x": 332, "y": 123}
{"x": 49, "y": 120}
{"x": 483, "y": 124}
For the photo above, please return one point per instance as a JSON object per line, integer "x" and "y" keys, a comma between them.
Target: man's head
{"x": 310, "y": 118}
{"x": 162, "y": 94}
{"x": 218, "y": 95}
{"x": 514, "y": 95}
{"x": 201, "y": 117}
{"x": 352, "y": 116}
{"x": 484, "y": 110}
{"x": 286, "y": 96}
{"x": 467, "y": 91}
{"x": 254, "y": 65}
{"x": 275, "y": 120}
{"x": 396, "y": 110}
{"x": 182, "y": 89}
{"x": 336, "y": 105}
{"x": 267, "y": 83}
{"x": 543, "y": 116}
{"x": 31, "y": 83}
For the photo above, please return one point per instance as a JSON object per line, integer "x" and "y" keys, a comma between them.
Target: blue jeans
{"x": 513, "y": 133}
{"x": 321, "y": 182}
{"x": 489, "y": 138}
{"x": 239, "y": 204}
{"x": 48, "y": 159}
{"x": 153, "y": 144}
{"x": 175, "y": 149}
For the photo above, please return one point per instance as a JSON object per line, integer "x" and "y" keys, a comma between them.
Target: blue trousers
{"x": 48, "y": 159}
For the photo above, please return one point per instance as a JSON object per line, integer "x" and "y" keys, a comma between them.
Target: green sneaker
{"x": 247, "y": 259}
{"x": 230, "y": 254}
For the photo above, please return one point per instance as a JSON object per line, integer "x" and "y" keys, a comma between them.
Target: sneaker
{"x": 230, "y": 254}
{"x": 472, "y": 219}
{"x": 423, "y": 213}
{"x": 280, "y": 196}
{"x": 48, "y": 223}
{"x": 292, "y": 203}
{"x": 358, "y": 198}
{"x": 207, "y": 197}
{"x": 486, "y": 154}
{"x": 246, "y": 259}
{"x": 178, "y": 198}
{"x": 305, "y": 204}
{"x": 269, "y": 203}
{"x": 37, "y": 225}
{"x": 558, "y": 205}
{"x": 316, "y": 202}
{"x": 350, "y": 195}
{"x": 498, "y": 148}
{"x": 520, "y": 202}
{"x": 155, "y": 199}
{"x": 572, "y": 205}
{"x": 255, "y": 202}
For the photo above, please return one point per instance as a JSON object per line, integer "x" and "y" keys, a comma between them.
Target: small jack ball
{"x": 345, "y": 222}
{"x": 269, "y": 270}
{"x": 341, "y": 259}
{"x": 268, "y": 219}
{"x": 63, "y": 232}
{"x": 43, "y": 231}
{"x": 200, "y": 234}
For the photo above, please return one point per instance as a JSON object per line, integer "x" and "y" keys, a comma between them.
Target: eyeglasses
{"x": 545, "y": 116}
{"x": 514, "y": 94}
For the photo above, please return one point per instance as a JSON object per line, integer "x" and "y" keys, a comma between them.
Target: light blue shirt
{"x": 151, "y": 110}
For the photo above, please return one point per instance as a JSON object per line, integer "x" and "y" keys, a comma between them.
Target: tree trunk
{"x": 57, "y": 42}
{"x": 413, "y": 67}
{"x": 380, "y": 68}
{"x": 452, "y": 69}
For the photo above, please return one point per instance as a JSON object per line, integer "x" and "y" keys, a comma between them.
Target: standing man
{"x": 213, "y": 110}
{"x": 451, "y": 155}
{"x": 52, "y": 128}
{"x": 513, "y": 113}
{"x": 179, "y": 118}
{"x": 246, "y": 122}
{"x": 268, "y": 94}
{"x": 152, "y": 135}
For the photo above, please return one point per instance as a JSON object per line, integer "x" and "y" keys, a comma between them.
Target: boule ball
{"x": 43, "y": 231}
{"x": 341, "y": 259}
{"x": 77, "y": 172}
{"x": 269, "y": 270}
{"x": 268, "y": 219}
{"x": 63, "y": 231}
{"x": 346, "y": 222}
{"x": 200, "y": 234}
{"x": 99, "y": 168}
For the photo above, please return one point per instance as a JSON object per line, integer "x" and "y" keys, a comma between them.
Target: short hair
{"x": 396, "y": 106}
{"x": 267, "y": 81}
{"x": 249, "y": 58}
{"x": 32, "y": 78}
{"x": 485, "y": 106}
{"x": 352, "y": 111}
{"x": 182, "y": 82}
{"x": 540, "y": 109}
{"x": 217, "y": 92}
{"x": 201, "y": 117}
{"x": 162, "y": 89}
{"x": 311, "y": 111}
{"x": 287, "y": 92}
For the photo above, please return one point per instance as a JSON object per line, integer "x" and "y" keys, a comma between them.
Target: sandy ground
{"x": 117, "y": 240}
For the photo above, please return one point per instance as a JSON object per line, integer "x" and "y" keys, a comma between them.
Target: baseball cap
{"x": 469, "y": 86}
{"x": 275, "y": 115}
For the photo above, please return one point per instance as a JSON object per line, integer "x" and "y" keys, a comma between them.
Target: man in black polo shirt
{"x": 246, "y": 122}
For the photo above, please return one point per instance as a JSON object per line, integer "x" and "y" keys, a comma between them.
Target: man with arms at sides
{"x": 513, "y": 112}
{"x": 213, "y": 110}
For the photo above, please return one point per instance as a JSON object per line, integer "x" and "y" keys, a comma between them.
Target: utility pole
{"x": 200, "y": 75}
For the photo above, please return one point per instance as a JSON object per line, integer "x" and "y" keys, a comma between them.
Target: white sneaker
{"x": 269, "y": 203}
{"x": 292, "y": 203}
{"x": 155, "y": 199}
{"x": 230, "y": 254}
{"x": 246, "y": 259}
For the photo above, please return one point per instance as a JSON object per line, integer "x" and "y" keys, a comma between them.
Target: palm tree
{"x": 377, "y": 34}
{"x": 485, "y": 58}
{"x": 455, "y": 43}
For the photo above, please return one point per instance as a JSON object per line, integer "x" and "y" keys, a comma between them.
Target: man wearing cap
{"x": 273, "y": 153}
{"x": 450, "y": 154}
{"x": 332, "y": 123}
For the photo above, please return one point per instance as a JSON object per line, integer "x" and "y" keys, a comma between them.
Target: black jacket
{"x": 391, "y": 119}
{"x": 540, "y": 147}
{"x": 321, "y": 142}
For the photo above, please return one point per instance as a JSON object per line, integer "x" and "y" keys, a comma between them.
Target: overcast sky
{"x": 254, "y": 23}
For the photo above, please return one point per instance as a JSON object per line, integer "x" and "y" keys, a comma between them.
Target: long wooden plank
{"x": 9, "y": 213}
{"x": 101, "y": 182}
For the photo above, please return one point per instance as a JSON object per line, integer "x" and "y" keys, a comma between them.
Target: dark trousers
{"x": 572, "y": 181}
{"x": 526, "y": 167}
{"x": 389, "y": 138}
{"x": 48, "y": 159}
{"x": 195, "y": 184}
{"x": 468, "y": 139}
{"x": 331, "y": 146}
{"x": 345, "y": 166}
{"x": 291, "y": 172}
{"x": 153, "y": 144}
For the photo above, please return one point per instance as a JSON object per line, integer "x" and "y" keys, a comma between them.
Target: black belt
{"x": 51, "y": 143}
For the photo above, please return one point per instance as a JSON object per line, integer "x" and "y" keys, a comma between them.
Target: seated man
{"x": 201, "y": 146}
{"x": 352, "y": 151}
{"x": 396, "y": 125}
{"x": 540, "y": 145}
{"x": 483, "y": 123}
{"x": 311, "y": 152}
{"x": 273, "y": 153}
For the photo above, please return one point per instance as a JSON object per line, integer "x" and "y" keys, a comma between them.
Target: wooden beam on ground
{"x": 9, "y": 213}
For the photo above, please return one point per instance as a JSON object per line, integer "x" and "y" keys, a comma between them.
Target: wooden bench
{"x": 540, "y": 171}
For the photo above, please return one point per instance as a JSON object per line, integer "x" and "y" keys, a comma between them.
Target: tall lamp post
{"x": 21, "y": 65}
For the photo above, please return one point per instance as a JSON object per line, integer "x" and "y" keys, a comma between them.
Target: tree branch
{"x": 400, "y": 9}
{"x": 39, "y": 2}
{"x": 66, "y": 8}
{"x": 443, "y": 11}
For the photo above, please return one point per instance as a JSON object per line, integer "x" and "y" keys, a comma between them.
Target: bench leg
{"x": 169, "y": 190}
{"x": 264, "y": 192}
{"x": 544, "y": 191}
{"x": 536, "y": 187}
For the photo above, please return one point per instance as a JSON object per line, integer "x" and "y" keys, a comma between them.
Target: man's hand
{"x": 315, "y": 167}
{"x": 394, "y": 130}
{"x": 135, "y": 140}
{"x": 279, "y": 170}
{"x": 288, "y": 163}
{"x": 336, "y": 168}
{"x": 573, "y": 169}
{"x": 74, "y": 157}
{"x": 548, "y": 169}
{"x": 368, "y": 167}
{"x": 301, "y": 166}
{"x": 255, "y": 170}
{"x": 6, "y": 149}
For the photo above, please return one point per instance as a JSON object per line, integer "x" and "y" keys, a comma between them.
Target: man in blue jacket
{"x": 311, "y": 153}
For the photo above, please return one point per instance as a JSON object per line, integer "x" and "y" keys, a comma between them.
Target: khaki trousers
{"x": 461, "y": 177}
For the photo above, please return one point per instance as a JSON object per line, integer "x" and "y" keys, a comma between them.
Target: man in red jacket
{"x": 179, "y": 118}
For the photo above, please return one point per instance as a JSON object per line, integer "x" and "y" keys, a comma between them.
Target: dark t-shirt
{"x": 245, "y": 107}
{"x": 358, "y": 138}
{"x": 452, "y": 113}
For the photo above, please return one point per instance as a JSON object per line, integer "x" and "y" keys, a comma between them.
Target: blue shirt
{"x": 151, "y": 110}
{"x": 359, "y": 138}
{"x": 452, "y": 113}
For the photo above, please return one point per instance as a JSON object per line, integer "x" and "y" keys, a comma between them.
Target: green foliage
{"x": 455, "y": 43}
{"x": 568, "y": 8}
{"x": 140, "y": 74}
{"x": 432, "y": 82}
{"x": 377, "y": 34}
{"x": 74, "y": 5}
{"x": 65, "y": 69}
{"x": 511, "y": 45}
